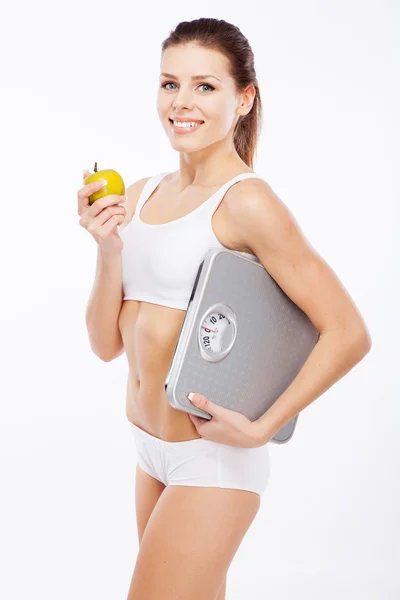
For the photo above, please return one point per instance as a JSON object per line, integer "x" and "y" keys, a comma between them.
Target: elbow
{"x": 105, "y": 359}
{"x": 110, "y": 357}
{"x": 368, "y": 342}
{"x": 362, "y": 342}
{"x": 357, "y": 331}
{"x": 365, "y": 340}
{"x": 107, "y": 356}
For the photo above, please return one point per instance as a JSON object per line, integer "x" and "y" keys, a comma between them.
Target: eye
{"x": 164, "y": 85}
{"x": 207, "y": 85}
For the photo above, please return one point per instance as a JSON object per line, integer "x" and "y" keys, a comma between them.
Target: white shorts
{"x": 200, "y": 462}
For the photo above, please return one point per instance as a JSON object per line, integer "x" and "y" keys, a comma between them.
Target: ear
{"x": 246, "y": 100}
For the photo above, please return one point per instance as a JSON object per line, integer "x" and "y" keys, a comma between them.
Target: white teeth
{"x": 185, "y": 124}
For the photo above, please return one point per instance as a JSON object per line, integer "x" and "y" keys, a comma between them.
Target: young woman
{"x": 199, "y": 482}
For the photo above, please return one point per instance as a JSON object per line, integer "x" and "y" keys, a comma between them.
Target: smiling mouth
{"x": 197, "y": 123}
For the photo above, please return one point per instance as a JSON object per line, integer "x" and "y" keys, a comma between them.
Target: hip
{"x": 151, "y": 412}
{"x": 200, "y": 462}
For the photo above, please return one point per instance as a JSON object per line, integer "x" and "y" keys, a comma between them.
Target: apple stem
{"x": 95, "y": 167}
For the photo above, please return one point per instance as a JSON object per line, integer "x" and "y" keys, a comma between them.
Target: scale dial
{"x": 217, "y": 332}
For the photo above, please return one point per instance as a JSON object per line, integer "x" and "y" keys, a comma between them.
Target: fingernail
{"x": 103, "y": 182}
{"x": 191, "y": 395}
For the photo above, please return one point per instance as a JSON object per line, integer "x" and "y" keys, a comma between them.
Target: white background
{"x": 79, "y": 84}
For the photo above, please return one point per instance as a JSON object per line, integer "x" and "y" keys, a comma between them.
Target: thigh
{"x": 147, "y": 492}
{"x": 190, "y": 540}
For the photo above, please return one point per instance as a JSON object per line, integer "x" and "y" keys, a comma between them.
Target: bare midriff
{"x": 150, "y": 333}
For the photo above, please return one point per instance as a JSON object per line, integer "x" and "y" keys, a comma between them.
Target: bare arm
{"x": 263, "y": 223}
{"x": 104, "y": 306}
{"x": 105, "y": 300}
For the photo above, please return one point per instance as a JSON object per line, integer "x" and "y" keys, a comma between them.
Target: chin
{"x": 188, "y": 148}
{"x": 185, "y": 143}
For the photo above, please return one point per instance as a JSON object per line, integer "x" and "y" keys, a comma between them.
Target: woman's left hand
{"x": 226, "y": 426}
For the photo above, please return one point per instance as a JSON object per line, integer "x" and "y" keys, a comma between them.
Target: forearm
{"x": 334, "y": 355}
{"x": 104, "y": 306}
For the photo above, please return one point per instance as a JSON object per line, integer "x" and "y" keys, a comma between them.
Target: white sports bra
{"x": 160, "y": 261}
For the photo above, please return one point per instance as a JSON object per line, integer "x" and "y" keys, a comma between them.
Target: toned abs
{"x": 150, "y": 331}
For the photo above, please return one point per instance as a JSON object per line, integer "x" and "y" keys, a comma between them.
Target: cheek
{"x": 220, "y": 114}
{"x": 162, "y": 104}
{"x": 221, "y": 121}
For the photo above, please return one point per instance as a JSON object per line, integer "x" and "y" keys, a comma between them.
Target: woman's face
{"x": 212, "y": 100}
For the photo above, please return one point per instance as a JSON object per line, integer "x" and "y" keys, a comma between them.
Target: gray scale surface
{"x": 274, "y": 337}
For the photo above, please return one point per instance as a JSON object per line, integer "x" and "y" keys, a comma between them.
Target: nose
{"x": 183, "y": 99}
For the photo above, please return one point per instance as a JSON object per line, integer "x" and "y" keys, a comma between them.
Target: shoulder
{"x": 250, "y": 205}
{"x": 250, "y": 192}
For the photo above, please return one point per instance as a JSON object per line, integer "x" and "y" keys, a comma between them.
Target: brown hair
{"x": 219, "y": 35}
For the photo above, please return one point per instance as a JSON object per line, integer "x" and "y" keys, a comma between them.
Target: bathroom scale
{"x": 242, "y": 341}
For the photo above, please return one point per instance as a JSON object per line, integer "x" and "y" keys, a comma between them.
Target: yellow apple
{"x": 115, "y": 183}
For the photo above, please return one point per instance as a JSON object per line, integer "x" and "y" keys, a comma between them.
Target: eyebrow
{"x": 194, "y": 78}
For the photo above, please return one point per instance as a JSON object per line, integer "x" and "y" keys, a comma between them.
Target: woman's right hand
{"x": 102, "y": 218}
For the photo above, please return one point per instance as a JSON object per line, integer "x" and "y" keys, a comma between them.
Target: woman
{"x": 199, "y": 482}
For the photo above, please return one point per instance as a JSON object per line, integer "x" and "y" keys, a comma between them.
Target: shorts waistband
{"x": 145, "y": 435}
{"x": 155, "y": 440}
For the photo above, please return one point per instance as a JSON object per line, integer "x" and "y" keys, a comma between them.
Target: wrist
{"x": 262, "y": 434}
{"x": 109, "y": 256}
